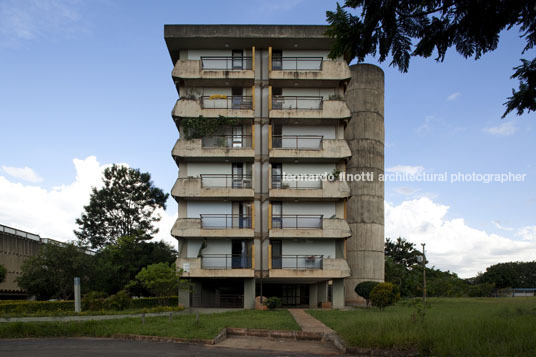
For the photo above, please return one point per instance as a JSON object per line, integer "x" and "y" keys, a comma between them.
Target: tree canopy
{"x": 510, "y": 275}
{"x": 124, "y": 206}
{"x": 406, "y": 28}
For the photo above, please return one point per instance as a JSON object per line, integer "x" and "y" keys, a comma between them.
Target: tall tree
{"x": 124, "y": 206}
{"x": 50, "y": 274}
{"x": 406, "y": 28}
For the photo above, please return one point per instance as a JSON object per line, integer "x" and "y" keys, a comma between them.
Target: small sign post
{"x": 77, "y": 302}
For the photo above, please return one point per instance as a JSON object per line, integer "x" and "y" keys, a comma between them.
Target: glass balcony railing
{"x": 297, "y": 102}
{"x": 308, "y": 142}
{"x": 227, "y": 141}
{"x": 297, "y": 63}
{"x": 225, "y": 261}
{"x": 225, "y": 221}
{"x": 226, "y": 63}
{"x": 226, "y": 102}
{"x": 297, "y": 221}
{"x": 279, "y": 182}
{"x": 225, "y": 181}
{"x": 298, "y": 262}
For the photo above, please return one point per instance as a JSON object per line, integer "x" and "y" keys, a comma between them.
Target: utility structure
{"x": 258, "y": 103}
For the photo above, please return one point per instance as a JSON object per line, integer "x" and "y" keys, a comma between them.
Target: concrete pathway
{"x": 309, "y": 323}
{"x": 269, "y": 344}
{"x": 111, "y": 317}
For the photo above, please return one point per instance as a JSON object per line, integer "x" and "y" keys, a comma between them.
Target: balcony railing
{"x": 297, "y": 63}
{"x": 297, "y": 102}
{"x": 298, "y": 262}
{"x": 309, "y": 142}
{"x": 226, "y": 63}
{"x": 297, "y": 221}
{"x": 279, "y": 182}
{"x": 227, "y": 141}
{"x": 225, "y": 261}
{"x": 225, "y": 221}
{"x": 227, "y": 102}
{"x": 225, "y": 181}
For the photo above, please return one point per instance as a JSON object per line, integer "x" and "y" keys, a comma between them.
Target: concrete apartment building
{"x": 245, "y": 230}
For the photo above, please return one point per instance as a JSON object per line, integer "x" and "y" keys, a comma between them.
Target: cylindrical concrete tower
{"x": 366, "y": 137}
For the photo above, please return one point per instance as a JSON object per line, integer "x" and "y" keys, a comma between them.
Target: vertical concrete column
{"x": 249, "y": 293}
{"x": 366, "y": 137}
{"x": 313, "y": 296}
{"x": 323, "y": 291}
{"x": 338, "y": 293}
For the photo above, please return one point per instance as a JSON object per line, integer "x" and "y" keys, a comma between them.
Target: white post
{"x": 77, "y": 302}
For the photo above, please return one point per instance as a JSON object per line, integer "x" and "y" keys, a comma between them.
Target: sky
{"x": 84, "y": 84}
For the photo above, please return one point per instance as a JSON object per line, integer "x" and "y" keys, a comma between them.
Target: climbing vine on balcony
{"x": 196, "y": 128}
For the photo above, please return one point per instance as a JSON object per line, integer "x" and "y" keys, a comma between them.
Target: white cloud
{"x": 453, "y": 96}
{"x": 406, "y": 169}
{"x": 452, "y": 244}
{"x": 52, "y": 213}
{"x": 24, "y": 173}
{"x": 29, "y": 20}
{"x": 501, "y": 227}
{"x": 504, "y": 129}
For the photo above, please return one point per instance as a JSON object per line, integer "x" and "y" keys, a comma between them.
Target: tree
{"x": 125, "y": 206}
{"x": 118, "y": 264}
{"x": 364, "y": 289}
{"x": 3, "y": 273}
{"x": 50, "y": 274}
{"x": 510, "y": 275}
{"x": 402, "y": 252}
{"x": 406, "y": 28}
{"x": 160, "y": 279}
{"x": 384, "y": 294}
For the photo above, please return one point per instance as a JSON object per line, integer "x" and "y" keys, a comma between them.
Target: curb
{"x": 198, "y": 341}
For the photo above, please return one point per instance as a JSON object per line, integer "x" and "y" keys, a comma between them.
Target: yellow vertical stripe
{"x": 253, "y": 58}
{"x": 270, "y": 98}
{"x": 270, "y": 59}
{"x": 270, "y": 137}
{"x": 253, "y": 97}
{"x": 253, "y": 256}
{"x": 253, "y": 215}
{"x": 269, "y": 257}
{"x": 253, "y": 136}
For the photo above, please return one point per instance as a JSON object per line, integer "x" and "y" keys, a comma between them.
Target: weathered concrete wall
{"x": 331, "y": 109}
{"x": 366, "y": 137}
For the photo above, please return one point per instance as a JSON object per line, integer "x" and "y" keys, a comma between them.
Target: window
{"x": 277, "y": 60}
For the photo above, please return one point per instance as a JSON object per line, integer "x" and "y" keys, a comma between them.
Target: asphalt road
{"x": 96, "y": 347}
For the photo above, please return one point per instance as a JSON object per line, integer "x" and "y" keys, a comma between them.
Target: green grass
{"x": 451, "y": 327}
{"x": 181, "y": 326}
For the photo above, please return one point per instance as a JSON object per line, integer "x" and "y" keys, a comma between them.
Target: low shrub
{"x": 364, "y": 289}
{"x": 119, "y": 301}
{"x": 272, "y": 302}
{"x": 480, "y": 290}
{"x": 384, "y": 294}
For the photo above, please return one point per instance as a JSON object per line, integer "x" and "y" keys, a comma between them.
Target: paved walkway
{"x": 111, "y": 317}
{"x": 309, "y": 323}
{"x": 271, "y": 344}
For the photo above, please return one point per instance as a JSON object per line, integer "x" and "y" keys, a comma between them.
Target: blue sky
{"x": 83, "y": 79}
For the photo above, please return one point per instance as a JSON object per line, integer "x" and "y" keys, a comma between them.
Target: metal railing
{"x": 279, "y": 182}
{"x": 225, "y": 261}
{"x": 225, "y": 181}
{"x": 297, "y": 102}
{"x": 309, "y": 142}
{"x": 227, "y": 102}
{"x": 227, "y": 141}
{"x": 298, "y": 262}
{"x": 297, "y": 63}
{"x": 225, "y": 221}
{"x": 302, "y": 221}
{"x": 19, "y": 233}
{"x": 226, "y": 63}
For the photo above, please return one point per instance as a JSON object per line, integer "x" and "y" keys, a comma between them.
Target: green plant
{"x": 161, "y": 279}
{"x": 334, "y": 175}
{"x": 119, "y": 301}
{"x": 384, "y": 294}
{"x": 196, "y": 128}
{"x": 335, "y": 97}
{"x": 94, "y": 300}
{"x": 272, "y": 302}
{"x": 364, "y": 289}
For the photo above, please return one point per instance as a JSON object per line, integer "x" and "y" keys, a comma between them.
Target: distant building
{"x": 244, "y": 228}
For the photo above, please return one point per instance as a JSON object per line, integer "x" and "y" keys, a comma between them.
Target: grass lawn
{"x": 181, "y": 326}
{"x": 92, "y": 312}
{"x": 451, "y": 327}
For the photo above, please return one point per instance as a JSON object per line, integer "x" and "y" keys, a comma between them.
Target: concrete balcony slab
{"x": 331, "y": 228}
{"x": 191, "y": 228}
{"x": 192, "y": 188}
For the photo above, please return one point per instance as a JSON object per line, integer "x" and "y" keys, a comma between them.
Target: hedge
{"x": 28, "y": 307}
